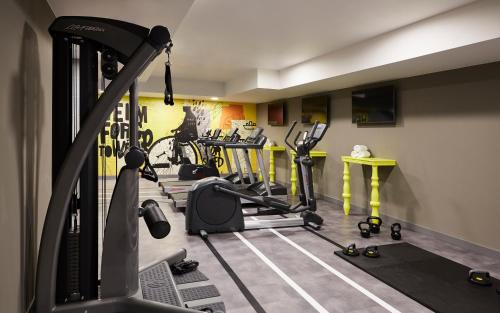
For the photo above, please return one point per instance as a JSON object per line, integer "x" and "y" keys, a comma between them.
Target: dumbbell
{"x": 371, "y": 252}
{"x": 481, "y": 278}
{"x": 350, "y": 250}
{"x": 396, "y": 231}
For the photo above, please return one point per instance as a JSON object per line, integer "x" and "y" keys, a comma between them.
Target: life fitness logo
{"x": 84, "y": 28}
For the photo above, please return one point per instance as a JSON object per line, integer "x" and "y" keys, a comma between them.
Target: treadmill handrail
{"x": 255, "y": 143}
{"x": 223, "y": 143}
{"x": 243, "y": 145}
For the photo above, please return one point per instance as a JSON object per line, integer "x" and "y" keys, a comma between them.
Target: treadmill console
{"x": 254, "y": 135}
{"x": 216, "y": 134}
{"x": 233, "y": 132}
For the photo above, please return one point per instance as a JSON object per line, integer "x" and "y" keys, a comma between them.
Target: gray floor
{"x": 308, "y": 286}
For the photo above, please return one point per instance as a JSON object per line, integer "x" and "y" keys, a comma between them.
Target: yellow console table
{"x": 374, "y": 198}
{"x": 272, "y": 168}
{"x": 293, "y": 174}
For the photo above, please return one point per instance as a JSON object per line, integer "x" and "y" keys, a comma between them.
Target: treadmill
{"x": 177, "y": 190}
{"x": 231, "y": 137}
{"x": 264, "y": 187}
{"x": 239, "y": 177}
{"x": 179, "y": 194}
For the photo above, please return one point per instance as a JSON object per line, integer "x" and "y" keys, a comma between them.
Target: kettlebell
{"x": 396, "y": 231}
{"x": 364, "y": 229}
{"x": 375, "y": 223}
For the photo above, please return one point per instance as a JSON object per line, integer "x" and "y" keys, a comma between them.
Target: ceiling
{"x": 261, "y": 50}
{"x": 221, "y": 39}
{"x": 146, "y": 13}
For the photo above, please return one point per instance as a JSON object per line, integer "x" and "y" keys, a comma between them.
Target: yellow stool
{"x": 374, "y": 163}
{"x": 272, "y": 168}
{"x": 293, "y": 174}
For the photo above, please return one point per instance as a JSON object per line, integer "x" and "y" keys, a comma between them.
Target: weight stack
{"x": 73, "y": 266}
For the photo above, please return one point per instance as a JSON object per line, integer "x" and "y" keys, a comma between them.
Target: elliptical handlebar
{"x": 313, "y": 139}
{"x": 288, "y": 135}
{"x": 296, "y": 140}
{"x": 310, "y": 135}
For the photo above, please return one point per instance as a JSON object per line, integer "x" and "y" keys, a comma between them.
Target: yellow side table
{"x": 374, "y": 198}
{"x": 272, "y": 168}
{"x": 293, "y": 174}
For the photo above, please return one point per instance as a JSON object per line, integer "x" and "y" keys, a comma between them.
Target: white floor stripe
{"x": 283, "y": 276}
{"x": 355, "y": 285}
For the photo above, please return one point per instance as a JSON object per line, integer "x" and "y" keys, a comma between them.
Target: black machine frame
{"x": 75, "y": 173}
{"x": 68, "y": 56}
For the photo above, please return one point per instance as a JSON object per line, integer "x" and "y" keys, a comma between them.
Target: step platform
{"x": 192, "y": 290}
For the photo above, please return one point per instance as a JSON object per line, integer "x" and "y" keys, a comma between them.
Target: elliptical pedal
{"x": 312, "y": 219}
{"x": 276, "y": 203}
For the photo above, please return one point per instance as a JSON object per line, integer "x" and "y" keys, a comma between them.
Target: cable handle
{"x": 148, "y": 172}
{"x": 169, "y": 94}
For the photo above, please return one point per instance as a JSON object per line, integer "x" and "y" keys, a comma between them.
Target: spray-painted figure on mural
{"x": 167, "y": 153}
{"x": 187, "y": 131}
{"x": 202, "y": 114}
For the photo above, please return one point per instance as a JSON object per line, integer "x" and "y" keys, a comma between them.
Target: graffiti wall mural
{"x": 169, "y": 133}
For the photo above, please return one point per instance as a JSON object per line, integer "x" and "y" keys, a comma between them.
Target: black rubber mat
{"x": 217, "y": 306}
{"x": 157, "y": 285}
{"x": 435, "y": 282}
{"x": 190, "y": 277}
{"x": 197, "y": 293}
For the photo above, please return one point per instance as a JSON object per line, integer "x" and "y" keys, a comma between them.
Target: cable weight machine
{"x": 67, "y": 271}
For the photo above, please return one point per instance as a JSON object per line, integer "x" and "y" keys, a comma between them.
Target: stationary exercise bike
{"x": 189, "y": 171}
{"x": 214, "y": 204}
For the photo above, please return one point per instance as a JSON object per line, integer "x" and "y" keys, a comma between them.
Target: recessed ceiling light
{"x": 214, "y": 98}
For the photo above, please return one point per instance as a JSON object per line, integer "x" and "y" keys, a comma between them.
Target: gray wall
{"x": 447, "y": 146}
{"x": 25, "y": 123}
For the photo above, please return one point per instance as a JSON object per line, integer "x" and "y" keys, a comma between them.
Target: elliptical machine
{"x": 214, "y": 204}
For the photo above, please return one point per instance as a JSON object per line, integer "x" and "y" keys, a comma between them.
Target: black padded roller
{"x": 159, "y": 37}
{"x": 134, "y": 157}
{"x": 157, "y": 223}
